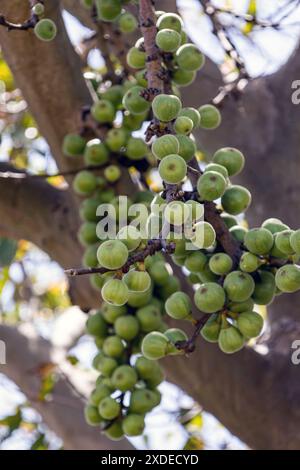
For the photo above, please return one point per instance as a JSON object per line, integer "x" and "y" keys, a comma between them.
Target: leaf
{"x": 194, "y": 443}
{"x": 6, "y": 76}
{"x": 252, "y": 8}
{"x": 8, "y": 249}
{"x": 40, "y": 443}
{"x": 13, "y": 421}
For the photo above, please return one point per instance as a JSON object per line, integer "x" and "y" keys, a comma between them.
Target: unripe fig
{"x": 38, "y": 9}
{"x": 159, "y": 273}
{"x": 150, "y": 371}
{"x": 112, "y": 254}
{"x": 96, "y": 325}
{"x": 211, "y": 185}
{"x": 230, "y": 340}
{"x": 115, "y": 292}
{"x": 130, "y": 236}
{"x": 45, "y": 30}
{"x": 134, "y": 102}
{"x": 96, "y": 281}
{"x": 211, "y": 329}
{"x": 136, "y": 149}
{"x": 191, "y": 113}
{"x": 139, "y": 299}
{"x": 141, "y": 78}
{"x": 188, "y": 57}
{"x": 183, "y": 125}
{"x": 288, "y": 278}
{"x": 259, "y": 241}
{"x": 168, "y": 40}
{"x": 149, "y": 318}
{"x": 238, "y": 232}
{"x": 124, "y": 378}
{"x": 175, "y": 335}
{"x": 204, "y": 235}
{"x": 210, "y": 297}
{"x": 183, "y": 78}
{"x": 165, "y": 145}
{"x": 295, "y": 241}
{"x": 250, "y": 324}
{"x": 100, "y": 392}
{"x": 113, "y": 347}
{"x": 232, "y": 159}
{"x": 137, "y": 281}
{"x": 84, "y": 182}
{"x": 274, "y": 225}
{"x": 187, "y": 147}
{"x": 236, "y": 199}
{"x": 89, "y": 258}
{"x": 210, "y": 117}
{"x": 73, "y": 145}
{"x": 112, "y": 173}
{"x": 228, "y": 219}
{"x": 104, "y": 381}
{"x": 195, "y": 262}
{"x": 172, "y": 169}
{"x": 87, "y": 233}
{"x": 142, "y": 401}
{"x": 206, "y": 275}
{"x": 127, "y": 327}
{"x": 103, "y": 111}
{"x": 249, "y": 262}
{"x": 116, "y": 139}
{"x": 220, "y": 264}
{"x": 218, "y": 169}
{"x": 239, "y": 286}
{"x": 133, "y": 425}
{"x": 110, "y": 312}
{"x": 178, "y": 306}
{"x": 283, "y": 242}
{"x": 155, "y": 345}
{"x": 115, "y": 431}
{"x": 171, "y": 286}
{"x": 240, "y": 307}
{"x": 95, "y": 153}
{"x": 114, "y": 94}
{"x": 108, "y": 10}
{"x": 170, "y": 21}
{"x": 166, "y": 107}
{"x": 105, "y": 365}
{"x": 92, "y": 415}
{"x": 136, "y": 58}
{"x": 127, "y": 23}
{"x": 109, "y": 408}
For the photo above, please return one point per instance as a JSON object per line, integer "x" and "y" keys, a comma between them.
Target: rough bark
{"x": 64, "y": 412}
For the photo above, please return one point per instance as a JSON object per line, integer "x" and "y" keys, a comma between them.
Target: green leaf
{"x": 13, "y": 421}
{"x": 8, "y": 249}
{"x": 252, "y": 8}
